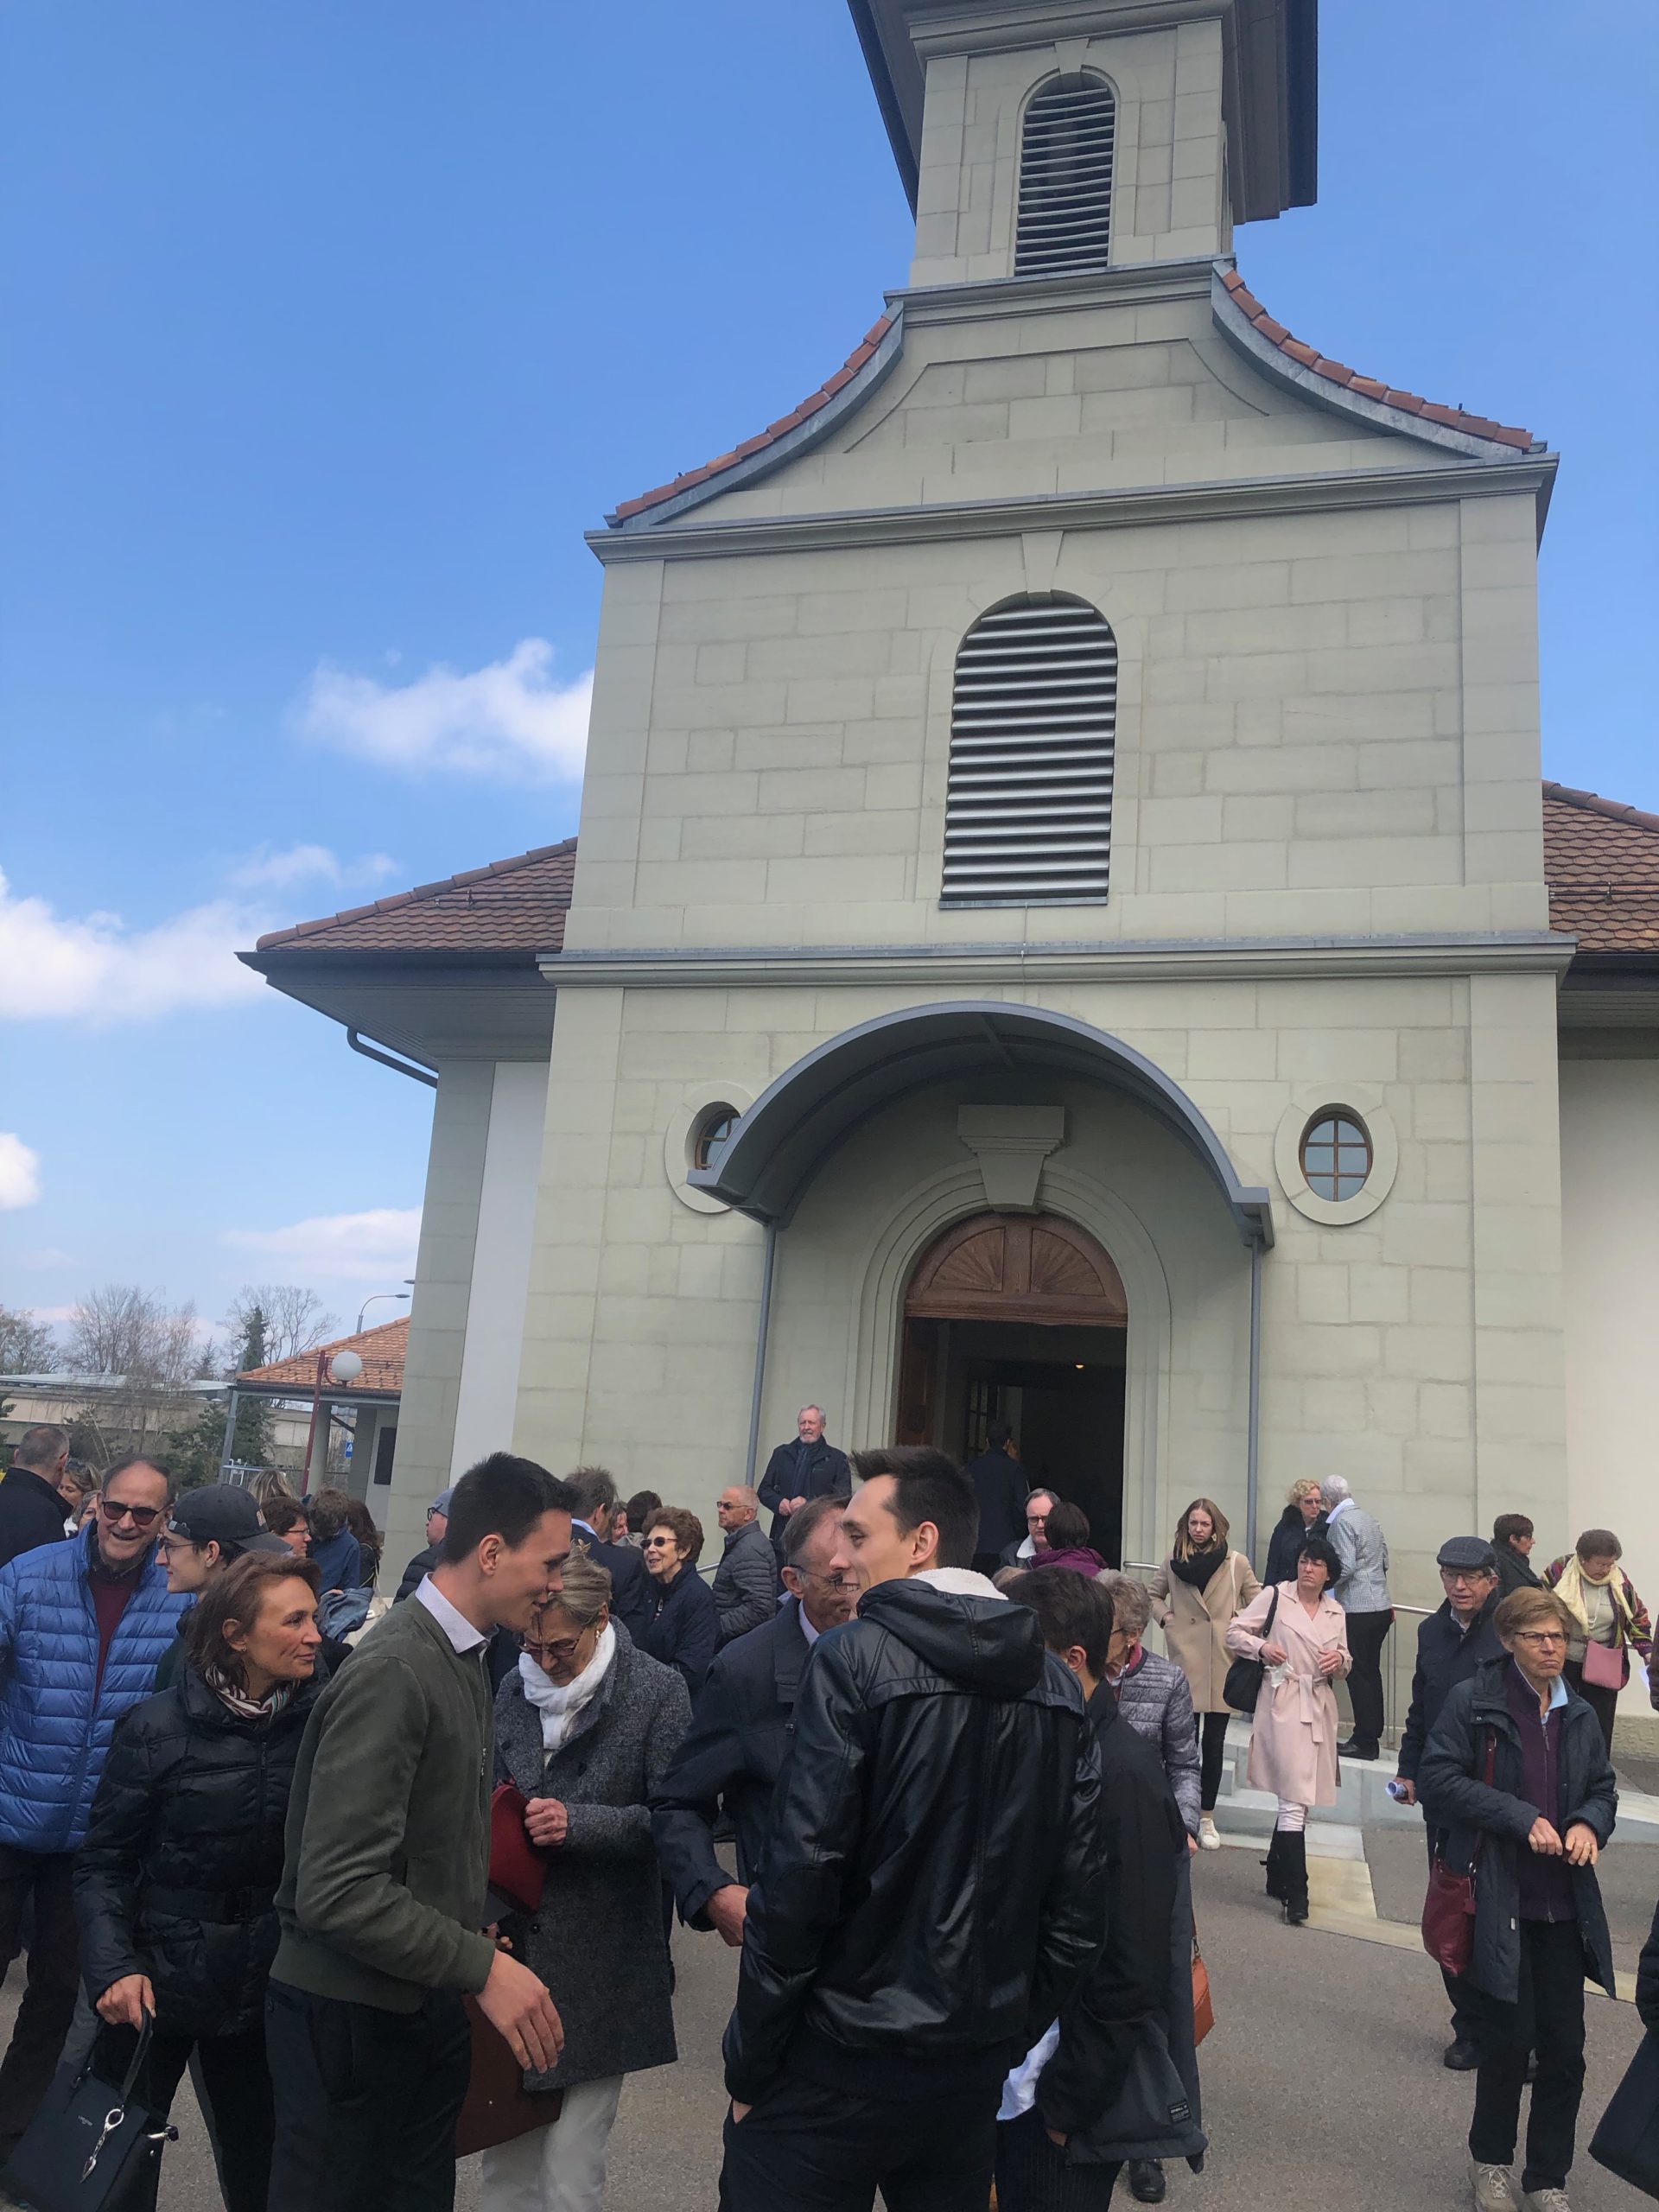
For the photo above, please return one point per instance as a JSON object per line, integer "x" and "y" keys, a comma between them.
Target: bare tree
{"x": 294, "y": 1319}
{"x": 147, "y": 1349}
{"x": 27, "y": 1347}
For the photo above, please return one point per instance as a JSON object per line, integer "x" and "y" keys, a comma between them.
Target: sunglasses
{"x": 142, "y": 1516}
{"x": 659, "y": 1544}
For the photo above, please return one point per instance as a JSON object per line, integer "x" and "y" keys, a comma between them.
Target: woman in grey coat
{"x": 585, "y": 1727}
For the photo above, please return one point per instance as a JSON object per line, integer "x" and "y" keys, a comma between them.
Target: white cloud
{"x": 20, "y": 1172}
{"x": 509, "y": 721}
{"x": 378, "y": 1246}
{"x": 56, "y": 967}
{"x": 268, "y": 869}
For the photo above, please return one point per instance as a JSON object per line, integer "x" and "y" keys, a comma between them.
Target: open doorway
{"x": 1022, "y": 1318}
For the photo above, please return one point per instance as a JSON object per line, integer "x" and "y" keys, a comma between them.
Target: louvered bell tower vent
{"x": 1065, "y": 180}
{"x": 1028, "y": 810}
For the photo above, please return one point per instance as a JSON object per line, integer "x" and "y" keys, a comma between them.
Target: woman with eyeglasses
{"x": 1516, "y": 1772}
{"x": 682, "y": 1624}
{"x": 585, "y": 1729}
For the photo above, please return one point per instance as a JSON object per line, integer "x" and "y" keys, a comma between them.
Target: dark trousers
{"x": 1032, "y": 2174}
{"x": 1547, "y": 2017}
{"x": 367, "y": 2102}
{"x": 810, "y": 2148}
{"x": 1212, "y": 1750}
{"x": 1603, "y": 1702}
{"x": 237, "y": 2081}
{"x": 48, "y": 2003}
{"x": 1366, "y": 1633}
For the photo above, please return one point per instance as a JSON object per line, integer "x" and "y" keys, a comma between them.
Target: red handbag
{"x": 1449, "y": 1905}
{"x": 517, "y": 1869}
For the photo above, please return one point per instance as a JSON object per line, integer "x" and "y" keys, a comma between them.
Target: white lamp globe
{"x": 345, "y": 1367}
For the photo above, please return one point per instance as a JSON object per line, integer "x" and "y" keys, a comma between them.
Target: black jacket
{"x": 734, "y": 1751}
{"x": 178, "y": 1874}
{"x": 31, "y": 1513}
{"x": 416, "y": 1572}
{"x": 746, "y": 1582}
{"x": 820, "y": 1472}
{"x": 1514, "y": 1573}
{"x": 1290, "y": 1533}
{"x": 681, "y": 1626}
{"x": 1452, "y": 1791}
{"x": 1000, "y": 1486}
{"x": 1446, "y": 1655}
{"x": 1647, "y": 1980}
{"x": 630, "y": 1585}
{"x": 933, "y": 1886}
{"x": 1127, "y": 1984}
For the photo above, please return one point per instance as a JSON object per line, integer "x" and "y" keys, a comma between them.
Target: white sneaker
{"x": 1208, "y": 1839}
{"x": 1545, "y": 2200}
{"x": 1493, "y": 2187}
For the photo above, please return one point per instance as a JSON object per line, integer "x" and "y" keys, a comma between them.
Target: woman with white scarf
{"x": 585, "y": 1728}
{"x": 1610, "y": 1621}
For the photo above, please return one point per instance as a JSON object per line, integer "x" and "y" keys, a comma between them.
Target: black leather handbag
{"x": 1244, "y": 1677}
{"x": 93, "y": 2146}
{"x": 1627, "y": 2141}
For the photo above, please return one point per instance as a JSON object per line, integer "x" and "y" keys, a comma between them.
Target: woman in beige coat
{"x": 1194, "y": 1594}
{"x": 1293, "y": 1744}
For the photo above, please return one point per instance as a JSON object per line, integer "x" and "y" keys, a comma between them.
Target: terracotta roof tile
{"x": 826, "y": 391}
{"x": 1454, "y": 419}
{"x": 383, "y": 1351}
{"x": 1601, "y": 858}
{"x": 512, "y": 906}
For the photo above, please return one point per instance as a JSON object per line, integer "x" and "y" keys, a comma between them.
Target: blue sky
{"x": 328, "y": 332}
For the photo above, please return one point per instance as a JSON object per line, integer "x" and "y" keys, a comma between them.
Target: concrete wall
{"x": 500, "y": 1274}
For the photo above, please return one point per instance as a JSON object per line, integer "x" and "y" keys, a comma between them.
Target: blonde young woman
{"x": 1195, "y": 1593}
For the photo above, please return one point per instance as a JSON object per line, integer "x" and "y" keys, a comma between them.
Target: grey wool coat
{"x": 597, "y": 1939}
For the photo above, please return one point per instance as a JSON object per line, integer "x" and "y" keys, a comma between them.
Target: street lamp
{"x": 344, "y": 1368}
{"x": 367, "y": 1302}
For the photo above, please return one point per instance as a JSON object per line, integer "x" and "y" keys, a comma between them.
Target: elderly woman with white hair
{"x": 1360, "y": 1589}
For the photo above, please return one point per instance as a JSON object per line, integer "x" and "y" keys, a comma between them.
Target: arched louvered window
{"x": 1065, "y": 179}
{"x": 1028, "y": 811}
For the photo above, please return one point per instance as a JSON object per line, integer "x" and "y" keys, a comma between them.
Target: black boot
{"x": 1275, "y": 1862}
{"x": 1295, "y": 1878}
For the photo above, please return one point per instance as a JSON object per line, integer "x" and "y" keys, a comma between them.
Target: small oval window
{"x": 711, "y": 1135}
{"x": 1335, "y": 1155}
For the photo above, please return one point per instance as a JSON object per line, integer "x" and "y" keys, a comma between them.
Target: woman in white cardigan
{"x": 1304, "y": 1647}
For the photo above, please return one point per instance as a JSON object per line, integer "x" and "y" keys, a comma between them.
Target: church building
{"x": 1067, "y": 925}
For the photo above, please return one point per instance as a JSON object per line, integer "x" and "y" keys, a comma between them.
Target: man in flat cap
{"x": 1451, "y": 1645}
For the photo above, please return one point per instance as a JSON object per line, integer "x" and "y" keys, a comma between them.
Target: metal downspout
{"x": 1253, "y": 1466}
{"x": 767, "y": 1266}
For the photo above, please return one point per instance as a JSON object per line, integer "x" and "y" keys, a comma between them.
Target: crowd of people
{"x": 906, "y": 1754}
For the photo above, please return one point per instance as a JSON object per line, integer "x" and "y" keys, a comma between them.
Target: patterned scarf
{"x": 239, "y": 1701}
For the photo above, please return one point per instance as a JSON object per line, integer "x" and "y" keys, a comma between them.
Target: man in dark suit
{"x": 595, "y": 1490}
{"x": 32, "y": 1508}
{"x": 999, "y": 1484}
{"x": 740, "y": 1730}
{"x": 796, "y": 1473}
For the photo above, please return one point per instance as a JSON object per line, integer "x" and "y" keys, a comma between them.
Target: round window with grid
{"x": 711, "y": 1135}
{"x": 1335, "y": 1155}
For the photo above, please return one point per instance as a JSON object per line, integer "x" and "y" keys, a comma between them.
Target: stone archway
{"x": 1019, "y": 1268}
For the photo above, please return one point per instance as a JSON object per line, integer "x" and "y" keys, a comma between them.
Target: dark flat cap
{"x": 1474, "y": 1554}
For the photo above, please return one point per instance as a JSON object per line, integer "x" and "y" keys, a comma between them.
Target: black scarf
{"x": 1198, "y": 1566}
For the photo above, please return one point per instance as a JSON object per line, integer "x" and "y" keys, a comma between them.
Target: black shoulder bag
{"x": 92, "y": 2147}
{"x": 1244, "y": 1677}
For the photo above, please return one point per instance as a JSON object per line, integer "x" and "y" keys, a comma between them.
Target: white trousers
{"x": 557, "y": 2169}
{"x": 1292, "y": 1819}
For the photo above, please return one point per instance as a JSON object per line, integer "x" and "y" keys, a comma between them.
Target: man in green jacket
{"x": 382, "y": 1901}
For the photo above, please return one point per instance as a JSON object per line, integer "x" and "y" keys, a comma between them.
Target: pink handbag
{"x": 1605, "y": 1667}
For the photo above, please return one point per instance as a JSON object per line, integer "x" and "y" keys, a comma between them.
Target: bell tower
{"x": 1065, "y": 137}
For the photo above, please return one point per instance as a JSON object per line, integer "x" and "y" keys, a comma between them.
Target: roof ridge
{"x": 461, "y": 881}
{"x": 1613, "y": 809}
{"x": 1371, "y": 388}
{"x": 820, "y": 396}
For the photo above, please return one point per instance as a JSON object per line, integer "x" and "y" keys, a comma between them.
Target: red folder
{"x": 517, "y": 1869}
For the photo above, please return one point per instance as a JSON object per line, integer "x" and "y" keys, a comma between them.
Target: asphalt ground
{"x": 1322, "y": 2082}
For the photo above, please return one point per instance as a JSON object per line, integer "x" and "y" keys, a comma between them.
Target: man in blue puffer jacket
{"x": 83, "y": 1625}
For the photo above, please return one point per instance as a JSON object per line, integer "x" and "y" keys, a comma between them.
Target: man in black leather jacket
{"x": 933, "y": 1888}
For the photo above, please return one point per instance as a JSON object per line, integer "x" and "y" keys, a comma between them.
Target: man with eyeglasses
{"x": 83, "y": 1626}
{"x": 741, "y": 1724}
{"x": 1452, "y": 1644}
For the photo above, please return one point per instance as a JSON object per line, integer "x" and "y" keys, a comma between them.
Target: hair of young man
{"x": 1068, "y": 1528}
{"x": 686, "y": 1528}
{"x": 1509, "y": 1526}
{"x": 642, "y": 1503}
{"x": 927, "y": 1486}
{"x": 594, "y": 1489}
{"x": 1131, "y": 1601}
{"x": 1527, "y": 1608}
{"x": 1599, "y": 1543}
{"x": 280, "y": 1514}
{"x": 1071, "y": 1609}
{"x": 39, "y": 1448}
{"x": 236, "y": 1593}
{"x": 800, "y": 1528}
{"x": 502, "y": 1497}
{"x": 998, "y": 1434}
{"x": 328, "y": 1512}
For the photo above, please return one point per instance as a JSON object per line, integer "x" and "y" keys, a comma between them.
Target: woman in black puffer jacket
{"x": 175, "y": 1882}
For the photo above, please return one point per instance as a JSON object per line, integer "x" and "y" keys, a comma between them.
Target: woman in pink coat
{"x": 1293, "y": 1744}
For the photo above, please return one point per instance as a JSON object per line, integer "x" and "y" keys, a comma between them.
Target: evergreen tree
{"x": 251, "y": 1443}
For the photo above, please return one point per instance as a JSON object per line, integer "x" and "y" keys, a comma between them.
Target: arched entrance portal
{"x": 1021, "y": 1318}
